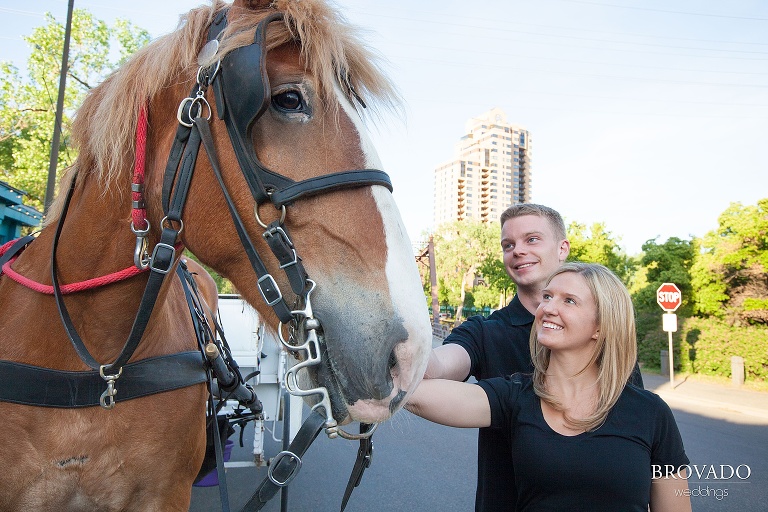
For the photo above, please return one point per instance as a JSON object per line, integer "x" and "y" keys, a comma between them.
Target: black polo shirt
{"x": 497, "y": 346}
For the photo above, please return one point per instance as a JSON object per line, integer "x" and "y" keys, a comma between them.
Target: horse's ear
{"x": 252, "y": 4}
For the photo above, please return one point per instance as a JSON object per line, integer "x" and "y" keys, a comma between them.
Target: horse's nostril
{"x": 392, "y": 360}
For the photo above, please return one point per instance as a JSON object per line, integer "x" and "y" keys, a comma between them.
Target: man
{"x": 534, "y": 245}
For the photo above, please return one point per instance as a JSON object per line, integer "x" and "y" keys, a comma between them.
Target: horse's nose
{"x": 381, "y": 386}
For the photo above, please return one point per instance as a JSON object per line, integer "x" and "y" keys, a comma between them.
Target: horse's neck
{"x": 96, "y": 240}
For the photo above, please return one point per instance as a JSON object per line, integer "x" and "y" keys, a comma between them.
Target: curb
{"x": 673, "y": 397}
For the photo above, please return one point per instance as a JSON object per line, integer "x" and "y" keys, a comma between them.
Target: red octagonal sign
{"x": 669, "y": 297}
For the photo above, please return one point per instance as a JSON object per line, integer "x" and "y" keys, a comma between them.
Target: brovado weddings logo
{"x": 700, "y": 476}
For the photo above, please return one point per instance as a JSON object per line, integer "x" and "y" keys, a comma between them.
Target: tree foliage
{"x": 730, "y": 275}
{"x": 461, "y": 249}
{"x": 28, "y": 104}
{"x": 598, "y": 245}
{"x": 669, "y": 262}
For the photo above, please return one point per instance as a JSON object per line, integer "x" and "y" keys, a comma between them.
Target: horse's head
{"x": 286, "y": 96}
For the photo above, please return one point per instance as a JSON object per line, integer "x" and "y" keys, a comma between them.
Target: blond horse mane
{"x": 104, "y": 127}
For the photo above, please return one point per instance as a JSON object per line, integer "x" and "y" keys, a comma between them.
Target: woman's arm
{"x": 670, "y": 493}
{"x": 451, "y": 403}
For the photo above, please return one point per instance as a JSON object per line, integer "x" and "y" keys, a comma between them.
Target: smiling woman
{"x": 578, "y": 432}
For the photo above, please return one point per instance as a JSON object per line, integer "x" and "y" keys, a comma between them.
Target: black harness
{"x": 242, "y": 93}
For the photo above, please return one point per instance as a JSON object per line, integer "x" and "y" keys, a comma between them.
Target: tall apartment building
{"x": 491, "y": 171}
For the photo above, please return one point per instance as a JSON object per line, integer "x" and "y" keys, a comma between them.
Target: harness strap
{"x": 184, "y": 178}
{"x": 266, "y": 283}
{"x": 162, "y": 261}
{"x": 174, "y": 157}
{"x": 13, "y": 248}
{"x": 285, "y": 466}
{"x": 34, "y": 385}
{"x": 363, "y": 461}
{"x": 281, "y": 245}
{"x": 329, "y": 182}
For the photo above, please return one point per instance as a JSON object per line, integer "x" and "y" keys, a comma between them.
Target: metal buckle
{"x": 277, "y": 231}
{"x": 154, "y": 254}
{"x": 275, "y": 288}
{"x": 278, "y": 458}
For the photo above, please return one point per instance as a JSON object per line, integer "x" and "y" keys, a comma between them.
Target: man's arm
{"x": 449, "y": 361}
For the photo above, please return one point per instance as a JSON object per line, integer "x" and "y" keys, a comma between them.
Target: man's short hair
{"x": 554, "y": 218}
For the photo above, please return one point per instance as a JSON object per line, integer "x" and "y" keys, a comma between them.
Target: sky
{"x": 650, "y": 116}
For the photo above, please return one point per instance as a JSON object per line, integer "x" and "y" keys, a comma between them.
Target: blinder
{"x": 242, "y": 92}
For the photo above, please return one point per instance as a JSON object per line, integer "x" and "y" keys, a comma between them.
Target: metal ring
{"x": 258, "y": 219}
{"x": 140, "y": 232}
{"x": 180, "y": 112}
{"x": 204, "y": 80}
{"x": 355, "y": 437}
{"x": 181, "y": 224}
{"x": 201, "y": 104}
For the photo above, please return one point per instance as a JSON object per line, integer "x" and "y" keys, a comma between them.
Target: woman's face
{"x": 566, "y": 318}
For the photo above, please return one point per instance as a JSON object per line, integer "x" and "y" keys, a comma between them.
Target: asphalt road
{"x": 420, "y": 466}
{"x": 417, "y": 466}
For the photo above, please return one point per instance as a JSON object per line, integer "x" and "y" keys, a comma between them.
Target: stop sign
{"x": 669, "y": 297}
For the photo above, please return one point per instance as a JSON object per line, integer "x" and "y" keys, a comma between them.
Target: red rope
{"x": 6, "y": 246}
{"x": 139, "y": 215}
{"x": 74, "y": 287}
{"x": 66, "y": 288}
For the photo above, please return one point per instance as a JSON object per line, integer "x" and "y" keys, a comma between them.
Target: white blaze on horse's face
{"x": 383, "y": 357}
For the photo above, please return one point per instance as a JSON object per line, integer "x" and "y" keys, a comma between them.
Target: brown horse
{"x": 367, "y": 305}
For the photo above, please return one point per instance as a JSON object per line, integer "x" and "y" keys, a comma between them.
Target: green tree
{"x": 461, "y": 248}
{"x": 28, "y": 104}
{"x": 495, "y": 276}
{"x": 669, "y": 262}
{"x": 730, "y": 274}
{"x": 598, "y": 245}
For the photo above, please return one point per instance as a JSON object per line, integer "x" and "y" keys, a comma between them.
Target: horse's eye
{"x": 288, "y": 101}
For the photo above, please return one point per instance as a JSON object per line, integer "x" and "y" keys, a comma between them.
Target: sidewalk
{"x": 753, "y": 403}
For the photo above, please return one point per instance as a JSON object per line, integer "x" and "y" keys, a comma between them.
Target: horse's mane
{"x": 104, "y": 127}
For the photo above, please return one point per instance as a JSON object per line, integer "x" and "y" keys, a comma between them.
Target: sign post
{"x": 669, "y": 298}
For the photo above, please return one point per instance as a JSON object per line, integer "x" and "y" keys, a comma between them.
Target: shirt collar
{"x": 518, "y": 315}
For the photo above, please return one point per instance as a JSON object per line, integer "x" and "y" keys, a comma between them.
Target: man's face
{"x": 532, "y": 251}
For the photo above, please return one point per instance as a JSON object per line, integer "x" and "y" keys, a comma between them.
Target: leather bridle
{"x": 242, "y": 94}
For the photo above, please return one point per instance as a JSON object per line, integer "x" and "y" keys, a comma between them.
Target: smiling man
{"x": 534, "y": 244}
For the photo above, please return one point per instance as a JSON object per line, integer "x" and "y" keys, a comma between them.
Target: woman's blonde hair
{"x": 616, "y": 348}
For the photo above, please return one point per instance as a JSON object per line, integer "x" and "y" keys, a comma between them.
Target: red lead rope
{"x": 66, "y": 288}
{"x": 138, "y": 217}
{"x": 139, "y": 212}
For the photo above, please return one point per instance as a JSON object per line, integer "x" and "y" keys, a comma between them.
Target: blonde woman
{"x": 581, "y": 437}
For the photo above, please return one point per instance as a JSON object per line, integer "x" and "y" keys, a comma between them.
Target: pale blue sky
{"x": 650, "y": 116}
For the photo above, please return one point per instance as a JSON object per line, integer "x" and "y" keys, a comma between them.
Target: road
{"x": 417, "y": 465}
{"x": 425, "y": 467}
